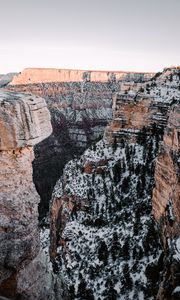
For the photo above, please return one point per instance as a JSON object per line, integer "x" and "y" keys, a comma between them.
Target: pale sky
{"x": 134, "y": 35}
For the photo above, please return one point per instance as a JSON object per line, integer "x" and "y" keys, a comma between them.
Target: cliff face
{"x": 29, "y": 76}
{"x": 166, "y": 204}
{"x": 24, "y": 121}
{"x": 136, "y": 114}
{"x": 166, "y": 192}
{"x": 146, "y": 105}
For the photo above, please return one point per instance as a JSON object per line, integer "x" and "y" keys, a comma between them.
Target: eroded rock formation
{"x": 24, "y": 274}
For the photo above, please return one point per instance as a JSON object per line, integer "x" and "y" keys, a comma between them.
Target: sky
{"x": 133, "y": 35}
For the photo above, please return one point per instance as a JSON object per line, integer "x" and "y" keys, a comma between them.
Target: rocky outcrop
{"x": 134, "y": 114}
{"x": 34, "y": 75}
{"x": 24, "y": 121}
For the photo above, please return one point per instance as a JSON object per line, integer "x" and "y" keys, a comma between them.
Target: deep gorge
{"x": 108, "y": 177}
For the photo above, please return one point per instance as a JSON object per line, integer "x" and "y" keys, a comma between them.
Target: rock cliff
{"x": 24, "y": 121}
{"x": 33, "y": 75}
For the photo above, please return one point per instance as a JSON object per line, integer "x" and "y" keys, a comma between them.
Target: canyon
{"x": 80, "y": 111}
{"x": 108, "y": 175}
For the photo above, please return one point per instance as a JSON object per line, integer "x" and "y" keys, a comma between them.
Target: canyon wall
{"x": 113, "y": 181}
{"x": 166, "y": 204}
{"x": 24, "y": 274}
{"x": 35, "y": 75}
{"x": 167, "y": 176}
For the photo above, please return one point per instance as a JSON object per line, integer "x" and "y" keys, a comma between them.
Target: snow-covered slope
{"x": 109, "y": 247}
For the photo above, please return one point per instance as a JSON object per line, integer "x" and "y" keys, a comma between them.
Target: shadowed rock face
{"x": 24, "y": 121}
